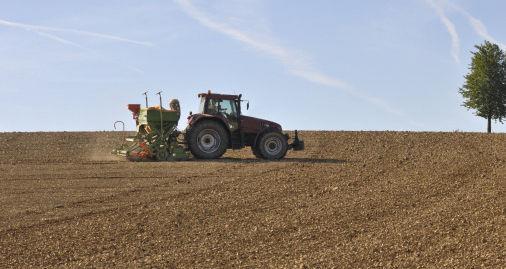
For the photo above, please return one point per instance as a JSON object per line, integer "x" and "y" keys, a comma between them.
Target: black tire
{"x": 273, "y": 146}
{"x": 208, "y": 140}
{"x": 256, "y": 152}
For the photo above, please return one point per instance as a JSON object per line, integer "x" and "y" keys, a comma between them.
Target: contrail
{"x": 288, "y": 58}
{"x": 40, "y": 28}
{"x": 450, "y": 27}
{"x": 478, "y": 26}
{"x": 73, "y": 44}
{"x": 61, "y": 40}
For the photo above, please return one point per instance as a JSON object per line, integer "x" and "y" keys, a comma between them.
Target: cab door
{"x": 228, "y": 110}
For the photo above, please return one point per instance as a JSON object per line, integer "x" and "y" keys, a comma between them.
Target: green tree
{"x": 485, "y": 88}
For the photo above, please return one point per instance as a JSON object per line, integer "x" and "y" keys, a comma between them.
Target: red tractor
{"x": 220, "y": 125}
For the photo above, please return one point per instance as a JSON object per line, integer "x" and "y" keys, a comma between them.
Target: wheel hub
{"x": 273, "y": 146}
{"x": 208, "y": 140}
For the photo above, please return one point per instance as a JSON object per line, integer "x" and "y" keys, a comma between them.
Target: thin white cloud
{"x": 60, "y": 40}
{"x": 436, "y": 5}
{"x": 40, "y": 28}
{"x": 135, "y": 69}
{"x": 67, "y": 42}
{"x": 478, "y": 26}
{"x": 294, "y": 62}
{"x": 322, "y": 79}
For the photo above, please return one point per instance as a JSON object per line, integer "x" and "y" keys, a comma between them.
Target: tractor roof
{"x": 219, "y": 96}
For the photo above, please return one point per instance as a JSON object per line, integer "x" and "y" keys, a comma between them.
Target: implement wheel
{"x": 208, "y": 140}
{"x": 162, "y": 155}
{"x": 273, "y": 146}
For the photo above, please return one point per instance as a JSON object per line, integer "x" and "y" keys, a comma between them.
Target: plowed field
{"x": 351, "y": 200}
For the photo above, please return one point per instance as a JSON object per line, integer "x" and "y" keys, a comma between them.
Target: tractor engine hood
{"x": 248, "y": 124}
{"x": 255, "y": 125}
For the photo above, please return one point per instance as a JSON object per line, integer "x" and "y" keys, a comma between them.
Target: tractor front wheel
{"x": 208, "y": 140}
{"x": 272, "y": 146}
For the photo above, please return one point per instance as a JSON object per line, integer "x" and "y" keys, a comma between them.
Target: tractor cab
{"x": 225, "y": 107}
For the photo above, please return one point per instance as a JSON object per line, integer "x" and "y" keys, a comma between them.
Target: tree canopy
{"x": 485, "y": 88}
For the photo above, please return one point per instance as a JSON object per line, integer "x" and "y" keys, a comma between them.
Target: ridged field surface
{"x": 350, "y": 200}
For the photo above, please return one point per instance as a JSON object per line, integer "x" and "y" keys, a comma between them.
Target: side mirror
{"x": 247, "y": 106}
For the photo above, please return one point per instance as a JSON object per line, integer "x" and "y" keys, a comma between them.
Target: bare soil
{"x": 351, "y": 200}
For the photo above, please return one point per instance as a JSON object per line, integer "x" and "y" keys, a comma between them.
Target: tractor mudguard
{"x": 264, "y": 131}
{"x": 196, "y": 118}
{"x": 296, "y": 145}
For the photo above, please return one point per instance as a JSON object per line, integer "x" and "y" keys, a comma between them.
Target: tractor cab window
{"x": 202, "y": 105}
{"x": 227, "y": 108}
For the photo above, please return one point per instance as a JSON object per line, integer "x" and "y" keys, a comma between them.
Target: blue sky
{"x": 323, "y": 64}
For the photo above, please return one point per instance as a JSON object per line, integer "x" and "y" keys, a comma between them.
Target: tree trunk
{"x": 489, "y": 125}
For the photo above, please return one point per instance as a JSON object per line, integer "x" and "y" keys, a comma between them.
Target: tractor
{"x": 219, "y": 125}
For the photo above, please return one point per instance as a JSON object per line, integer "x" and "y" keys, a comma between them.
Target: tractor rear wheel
{"x": 273, "y": 146}
{"x": 208, "y": 140}
{"x": 256, "y": 152}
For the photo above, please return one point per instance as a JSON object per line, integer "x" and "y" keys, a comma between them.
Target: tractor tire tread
{"x": 265, "y": 155}
{"x": 194, "y": 131}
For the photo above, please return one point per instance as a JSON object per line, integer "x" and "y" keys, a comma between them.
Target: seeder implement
{"x": 157, "y": 135}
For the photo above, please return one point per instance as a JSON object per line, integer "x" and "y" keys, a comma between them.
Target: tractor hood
{"x": 255, "y": 125}
{"x": 248, "y": 124}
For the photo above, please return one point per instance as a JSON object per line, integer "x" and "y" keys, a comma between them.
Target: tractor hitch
{"x": 297, "y": 144}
